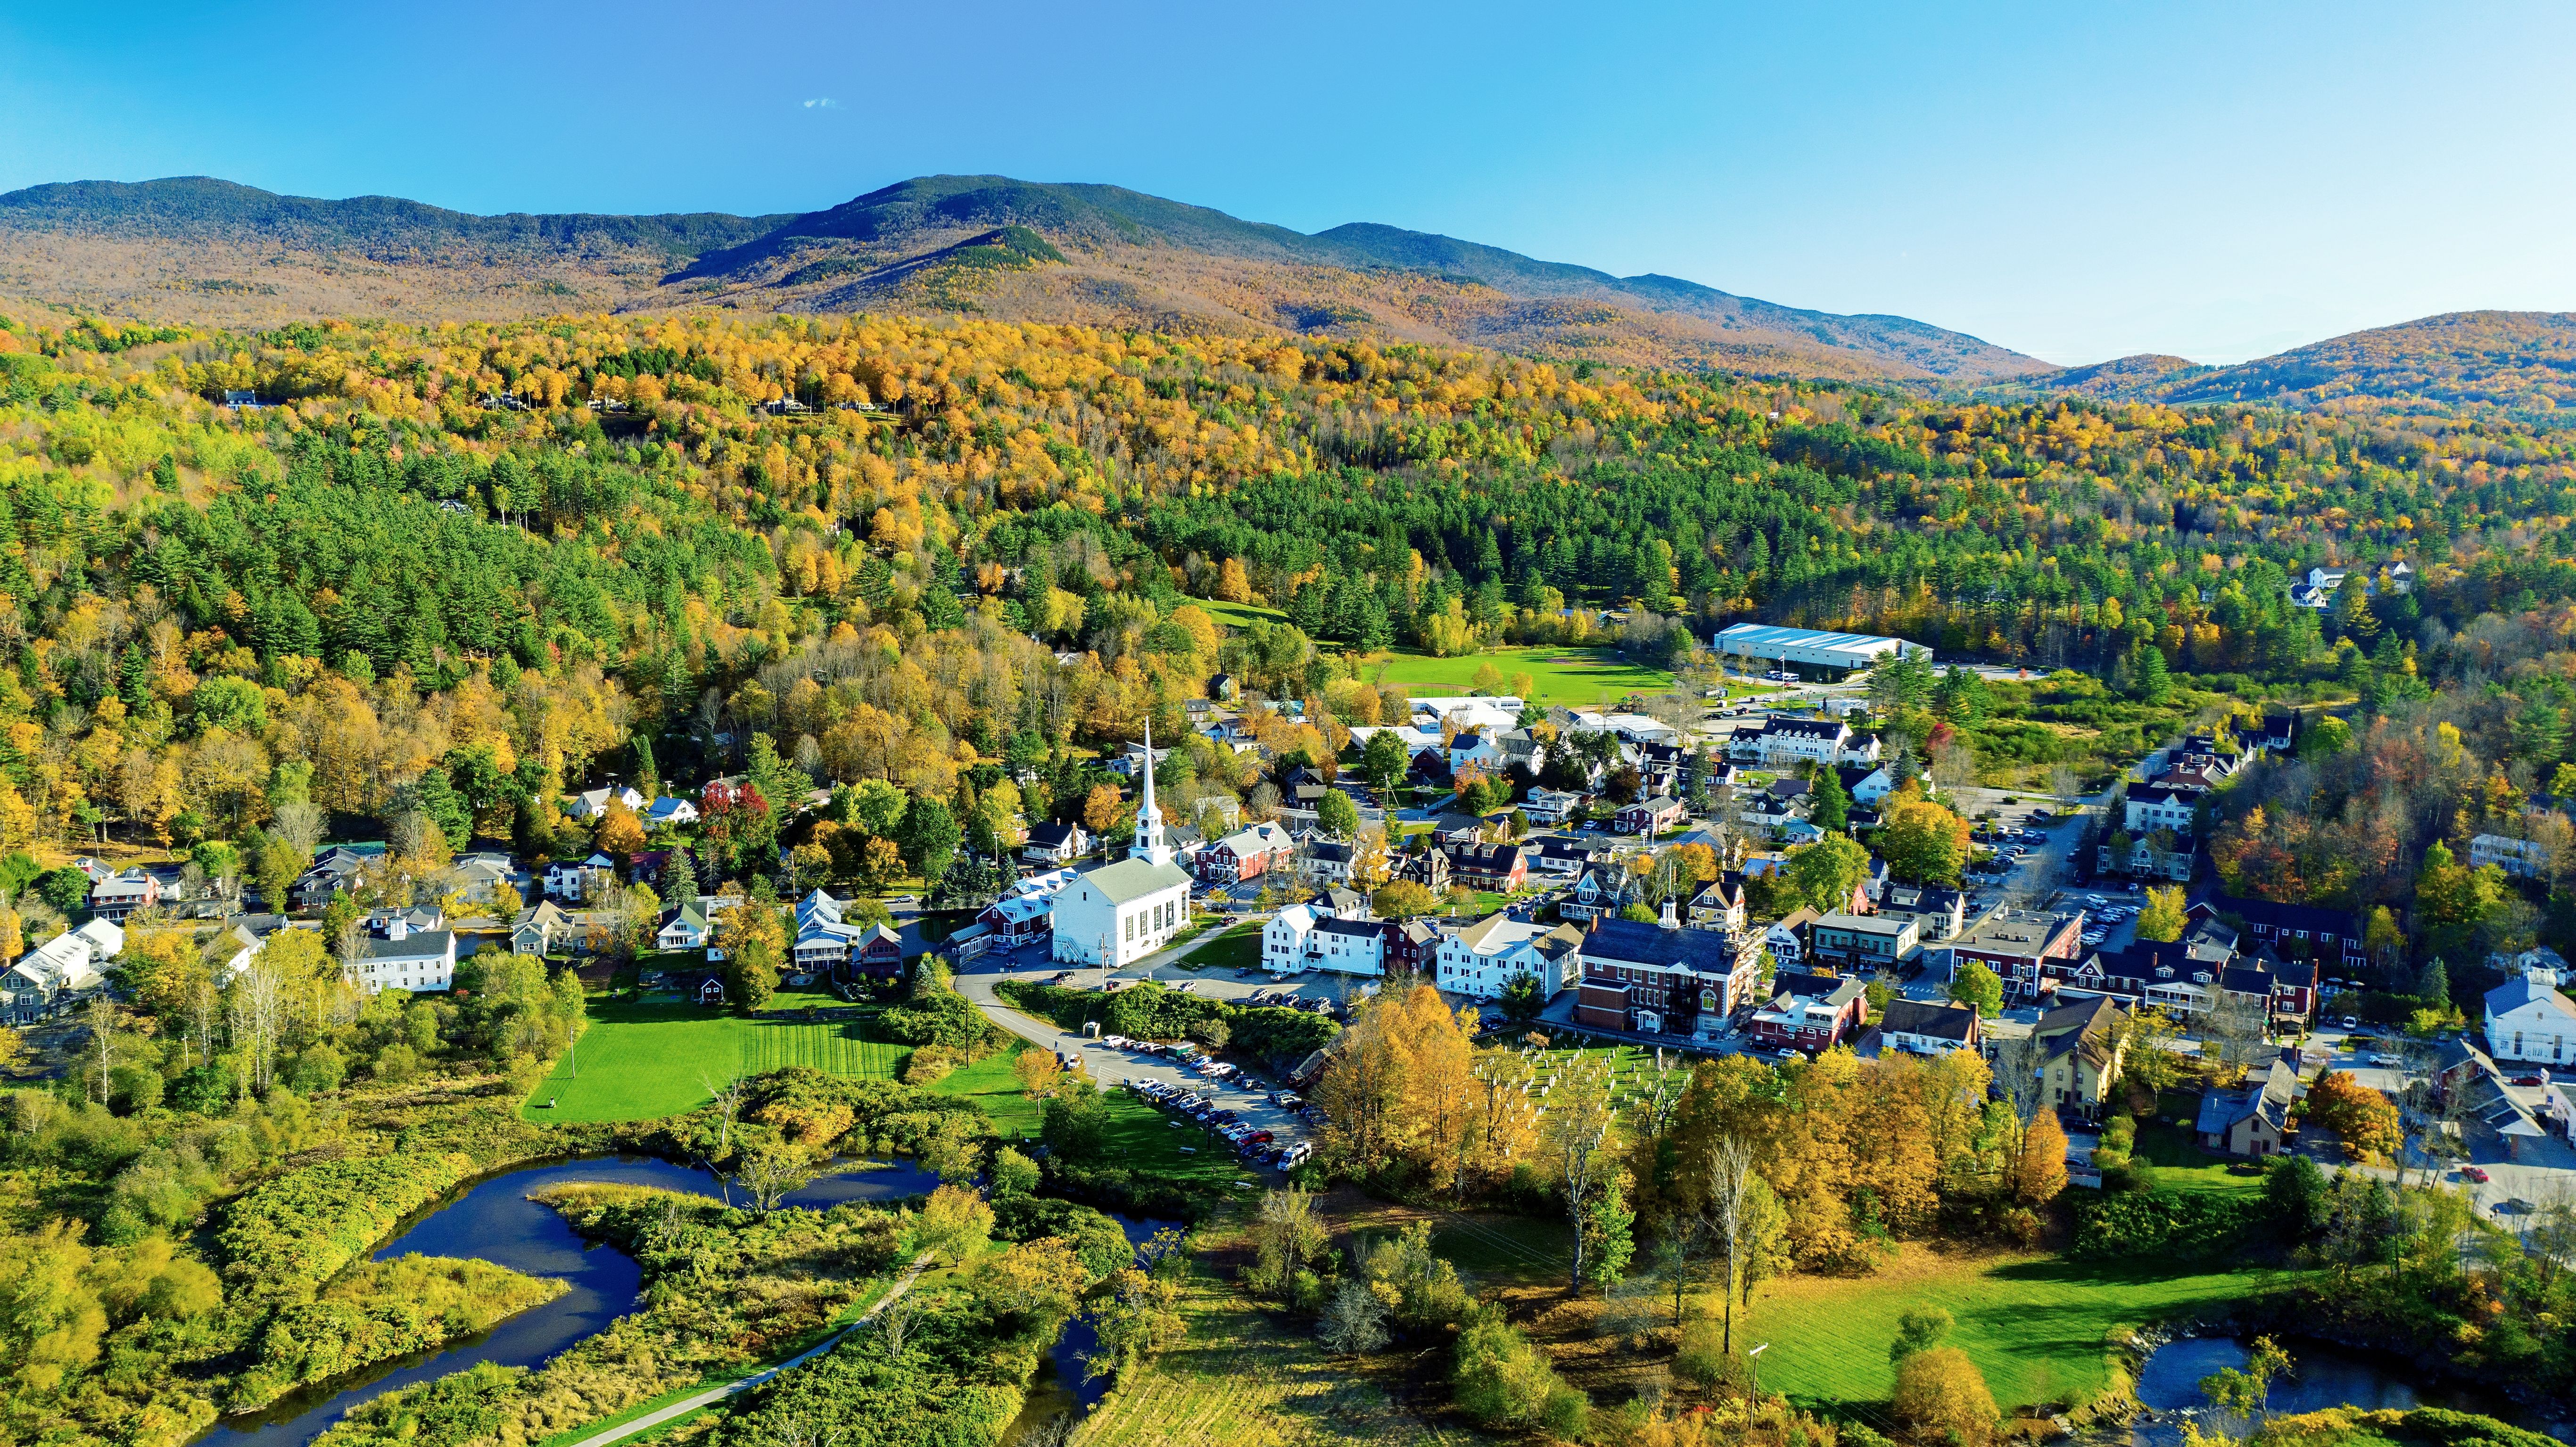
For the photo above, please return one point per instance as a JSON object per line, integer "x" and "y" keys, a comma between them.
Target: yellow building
{"x": 2080, "y": 1047}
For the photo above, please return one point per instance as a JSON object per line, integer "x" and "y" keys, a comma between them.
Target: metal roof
{"x": 1767, "y": 635}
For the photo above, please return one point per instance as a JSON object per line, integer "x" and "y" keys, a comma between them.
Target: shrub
{"x": 296, "y": 1232}
{"x": 1703, "y": 1360}
{"x": 1504, "y": 1381}
{"x": 1944, "y": 1396}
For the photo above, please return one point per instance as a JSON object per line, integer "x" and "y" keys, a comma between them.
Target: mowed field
{"x": 641, "y": 1062}
{"x": 1568, "y": 676}
{"x": 2038, "y": 1326}
{"x": 1572, "y": 677}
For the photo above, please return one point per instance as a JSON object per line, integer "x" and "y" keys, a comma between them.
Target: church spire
{"x": 1149, "y": 843}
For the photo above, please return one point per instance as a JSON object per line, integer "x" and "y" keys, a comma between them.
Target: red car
{"x": 2527, "y": 1080}
{"x": 2474, "y": 1173}
{"x": 1260, "y": 1138}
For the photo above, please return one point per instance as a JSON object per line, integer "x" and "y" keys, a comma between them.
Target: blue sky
{"x": 2077, "y": 180}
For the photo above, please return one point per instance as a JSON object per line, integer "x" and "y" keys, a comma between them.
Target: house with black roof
{"x": 1929, "y": 1027}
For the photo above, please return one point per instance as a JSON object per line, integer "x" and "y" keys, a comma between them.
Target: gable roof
{"x": 2312, "y": 918}
{"x": 1937, "y": 1019}
{"x": 1133, "y": 879}
{"x": 2521, "y": 992}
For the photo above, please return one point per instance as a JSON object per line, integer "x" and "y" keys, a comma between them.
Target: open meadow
{"x": 2038, "y": 1326}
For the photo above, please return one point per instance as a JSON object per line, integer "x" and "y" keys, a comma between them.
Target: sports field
{"x": 641, "y": 1062}
{"x": 2037, "y": 1326}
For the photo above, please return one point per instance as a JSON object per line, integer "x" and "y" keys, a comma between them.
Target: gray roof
{"x": 1646, "y": 944}
{"x": 1939, "y": 1020}
{"x": 1133, "y": 879}
{"x": 426, "y": 945}
{"x": 2519, "y": 991}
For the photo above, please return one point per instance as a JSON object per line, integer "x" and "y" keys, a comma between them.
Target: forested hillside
{"x": 2522, "y": 364}
{"x": 198, "y": 249}
{"x": 390, "y": 567}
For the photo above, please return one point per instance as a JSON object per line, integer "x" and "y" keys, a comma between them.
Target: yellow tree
{"x": 2162, "y": 919}
{"x": 1434, "y": 1083}
{"x": 620, "y": 834}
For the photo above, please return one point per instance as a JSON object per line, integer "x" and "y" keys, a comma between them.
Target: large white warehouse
{"x": 1787, "y": 647}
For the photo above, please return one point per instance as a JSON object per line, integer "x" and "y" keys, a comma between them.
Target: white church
{"x": 1117, "y": 914}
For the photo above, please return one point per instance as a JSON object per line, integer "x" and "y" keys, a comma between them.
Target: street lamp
{"x": 1753, "y": 1385}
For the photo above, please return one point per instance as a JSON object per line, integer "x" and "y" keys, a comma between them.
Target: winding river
{"x": 494, "y": 1220}
{"x": 1060, "y": 1388}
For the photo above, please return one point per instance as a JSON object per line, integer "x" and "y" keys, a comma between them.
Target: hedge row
{"x": 2166, "y": 1223}
{"x": 1278, "y": 1038}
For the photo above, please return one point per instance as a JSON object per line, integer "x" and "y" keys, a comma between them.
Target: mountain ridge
{"x": 1129, "y": 258}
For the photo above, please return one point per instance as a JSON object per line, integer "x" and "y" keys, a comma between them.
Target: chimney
{"x": 1671, "y": 919}
{"x": 398, "y": 927}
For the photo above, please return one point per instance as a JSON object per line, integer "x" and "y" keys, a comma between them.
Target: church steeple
{"x": 1149, "y": 843}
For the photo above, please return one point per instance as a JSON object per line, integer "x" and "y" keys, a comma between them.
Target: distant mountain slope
{"x": 2522, "y": 361}
{"x": 2509, "y": 359}
{"x": 202, "y": 207}
{"x": 194, "y": 248}
{"x": 1417, "y": 285}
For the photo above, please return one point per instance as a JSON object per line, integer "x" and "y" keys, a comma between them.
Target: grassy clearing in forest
{"x": 1573, "y": 677}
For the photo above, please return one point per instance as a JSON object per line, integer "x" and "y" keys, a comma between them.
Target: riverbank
{"x": 497, "y": 1218}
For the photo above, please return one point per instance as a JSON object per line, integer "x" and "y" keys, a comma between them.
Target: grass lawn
{"x": 2180, "y": 1164}
{"x": 990, "y": 1084}
{"x": 2035, "y": 1325}
{"x": 1569, "y": 676}
{"x": 1239, "y": 948}
{"x": 641, "y": 1062}
{"x": 1235, "y": 615}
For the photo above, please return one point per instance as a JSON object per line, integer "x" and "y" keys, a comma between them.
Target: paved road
{"x": 686, "y": 1405}
{"x": 1249, "y": 1099}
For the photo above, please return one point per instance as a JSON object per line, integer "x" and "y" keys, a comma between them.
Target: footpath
{"x": 688, "y": 1404}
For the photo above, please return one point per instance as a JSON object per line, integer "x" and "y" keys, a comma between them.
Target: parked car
{"x": 2528, "y": 1080}
{"x": 2475, "y": 1173}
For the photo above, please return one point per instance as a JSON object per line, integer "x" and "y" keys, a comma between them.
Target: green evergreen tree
{"x": 1831, "y": 808}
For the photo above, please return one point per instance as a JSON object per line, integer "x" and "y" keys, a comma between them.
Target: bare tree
{"x": 2063, "y": 786}
{"x": 1578, "y": 1119}
{"x": 1730, "y": 1196}
{"x": 300, "y": 825}
{"x": 2017, "y": 1065}
{"x": 728, "y": 1103}
{"x": 2238, "y": 1030}
{"x": 895, "y": 1318}
{"x": 102, "y": 1016}
{"x": 259, "y": 1004}
{"x": 770, "y": 1172}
